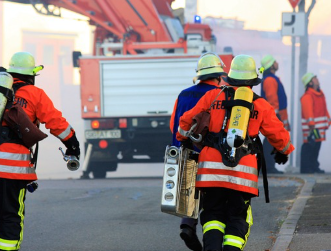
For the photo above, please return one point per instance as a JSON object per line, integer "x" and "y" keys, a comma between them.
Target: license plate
{"x": 103, "y": 134}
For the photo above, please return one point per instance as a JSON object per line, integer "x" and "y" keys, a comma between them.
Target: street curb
{"x": 286, "y": 232}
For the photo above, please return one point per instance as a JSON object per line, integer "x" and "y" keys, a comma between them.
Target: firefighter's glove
{"x": 281, "y": 158}
{"x": 72, "y": 146}
{"x": 187, "y": 144}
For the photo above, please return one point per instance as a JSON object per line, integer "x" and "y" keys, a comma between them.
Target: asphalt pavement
{"x": 123, "y": 214}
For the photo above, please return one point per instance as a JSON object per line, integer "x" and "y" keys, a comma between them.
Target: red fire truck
{"x": 143, "y": 57}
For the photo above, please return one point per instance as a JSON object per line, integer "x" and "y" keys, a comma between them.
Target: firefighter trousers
{"x": 309, "y": 157}
{"x": 226, "y": 219}
{"x": 269, "y": 158}
{"x": 12, "y": 197}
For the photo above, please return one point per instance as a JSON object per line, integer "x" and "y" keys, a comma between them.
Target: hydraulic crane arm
{"x": 128, "y": 26}
{"x": 118, "y": 17}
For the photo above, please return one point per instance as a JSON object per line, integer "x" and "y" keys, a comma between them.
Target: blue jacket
{"x": 282, "y": 99}
{"x": 186, "y": 100}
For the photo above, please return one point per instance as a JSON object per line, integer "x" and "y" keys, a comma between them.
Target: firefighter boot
{"x": 190, "y": 238}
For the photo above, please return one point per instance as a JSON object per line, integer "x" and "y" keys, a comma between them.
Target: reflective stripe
{"x": 213, "y": 225}
{"x": 318, "y": 119}
{"x": 15, "y": 156}
{"x": 239, "y": 71}
{"x": 323, "y": 125}
{"x": 183, "y": 132}
{"x": 21, "y": 214}
{"x": 65, "y": 133}
{"x": 304, "y": 121}
{"x": 234, "y": 241}
{"x": 17, "y": 169}
{"x": 249, "y": 220}
{"x": 227, "y": 178}
{"x": 220, "y": 165}
{"x": 8, "y": 244}
{"x": 21, "y": 68}
{"x": 286, "y": 147}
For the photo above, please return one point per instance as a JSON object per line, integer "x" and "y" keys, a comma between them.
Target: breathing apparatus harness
{"x": 249, "y": 146}
{"x": 7, "y": 135}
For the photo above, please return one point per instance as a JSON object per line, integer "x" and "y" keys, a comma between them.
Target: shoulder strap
{"x": 18, "y": 86}
{"x": 262, "y": 166}
{"x": 255, "y": 96}
{"x": 15, "y": 88}
{"x": 8, "y": 93}
{"x": 232, "y": 103}
{"x": 212, "y": 103}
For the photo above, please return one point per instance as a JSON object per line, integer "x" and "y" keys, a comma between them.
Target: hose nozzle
{"x": 72, "y": 162}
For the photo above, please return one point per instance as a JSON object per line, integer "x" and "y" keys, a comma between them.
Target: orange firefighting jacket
{"x": 314, "y": 113}
{"x": 243, "y": 177}
{"x": 15, "y": 158}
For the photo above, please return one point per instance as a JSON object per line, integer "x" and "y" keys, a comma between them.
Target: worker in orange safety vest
{"x": 228, "y": 183}
{"x": 315, "y": 122}
{"x": 17, "y": 169}
{"x": 273, "y": 91}
{"x": 209, "y": 74}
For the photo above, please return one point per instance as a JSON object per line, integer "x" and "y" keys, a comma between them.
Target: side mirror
{"x": 75, "y": 58}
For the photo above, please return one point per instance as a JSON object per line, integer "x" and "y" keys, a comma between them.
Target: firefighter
{"x": 315, "y": 122}
{"x": 16, "y": 169}
{"x": 209, "y": 71}
{"x": 273, "y": 91}
{"x": 228, "y": 184}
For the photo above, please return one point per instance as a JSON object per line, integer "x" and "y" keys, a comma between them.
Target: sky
{"x": 263, "y": 14}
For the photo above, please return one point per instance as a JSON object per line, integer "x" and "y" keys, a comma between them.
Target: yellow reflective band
{"x": 249, "y": 220}
{"x": 210, "y": 225}
{"x": 234, "y": 241}
{"x": 8, "y": 244}
{"x": 21, "y": 214}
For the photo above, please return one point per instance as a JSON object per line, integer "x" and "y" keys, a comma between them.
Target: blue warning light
{"x": 197, "y": 19}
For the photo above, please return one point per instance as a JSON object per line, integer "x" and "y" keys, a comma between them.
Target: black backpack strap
{"x": 262, "y": 166}
{"x": 35, "y": 156}
{"x": 7, "y": 135}
{"x": 8, "y": 93}
{"x": 238, "y": 102}
{"x": 255, "y": 96}
{"x": 18, "y": 86}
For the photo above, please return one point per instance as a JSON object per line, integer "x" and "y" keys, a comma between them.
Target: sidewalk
{"x": 308, "y": 224}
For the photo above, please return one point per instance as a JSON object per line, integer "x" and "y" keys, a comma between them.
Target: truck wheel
{"x": 100, "y": 169}
{"x": 99, "y": 174}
